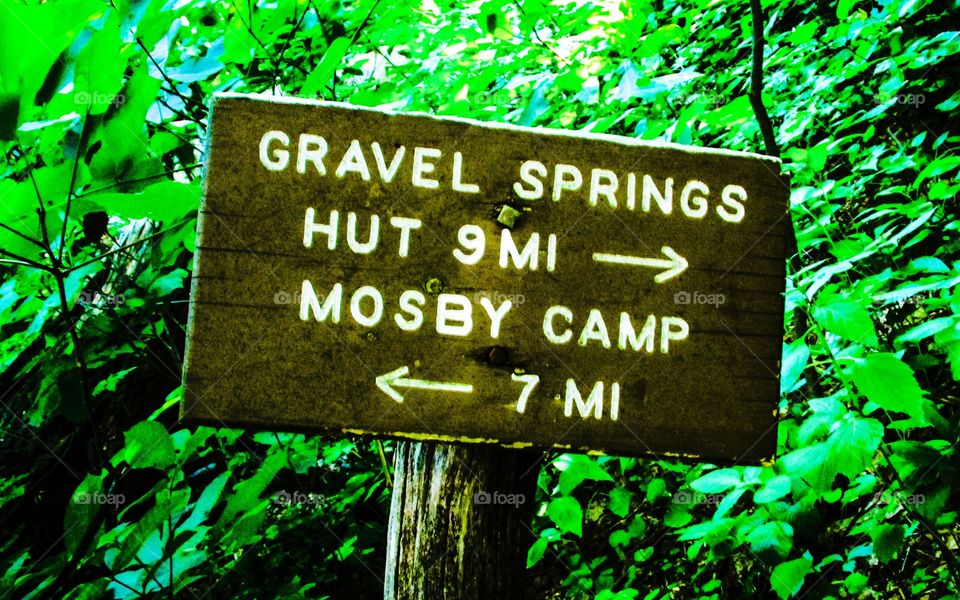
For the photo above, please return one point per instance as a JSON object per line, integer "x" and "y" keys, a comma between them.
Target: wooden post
{"x": 459, "y": 522}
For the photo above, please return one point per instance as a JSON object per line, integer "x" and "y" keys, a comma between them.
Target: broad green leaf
{"x": 845, "y": 318}
{"x": 245, "y": 499}
{"x": 536, "y": 551}
{"x": 887, "y": 540}
{"x": 321, "y": 75}
{"x": 566, "y": 513}
{"x": 81, "y": 509}
{"x": 811, "y": 463}
{"x": 32, "y": 37}
{"x": 620, "y": 538}
{"x": 149, "y": 445}
{"x": 620, "y": 502}
{"x": 853, "y": 444}
{"x": 771, "y": 537}
{"x": 773, "y": 489}
{"x": 147, "y": 527}
{"x": 888, "y": 382}
{"x": 926, "y": 329}
{"x": 99, "y": 70}
{"x": 795, "y": 356}
{"x": 856, "y": 582}
{"x": 162, "y": 201}
{"x": 578, "y": 468}
{"x": 843, "y": 9}
{"x": 717, "y": 481}
{"x": 787, "y": 578}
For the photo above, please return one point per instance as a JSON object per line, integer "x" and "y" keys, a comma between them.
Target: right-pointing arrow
{"x": 674, "y": 263}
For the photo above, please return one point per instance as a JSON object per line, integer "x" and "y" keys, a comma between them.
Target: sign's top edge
{"x": 571, "y": 133}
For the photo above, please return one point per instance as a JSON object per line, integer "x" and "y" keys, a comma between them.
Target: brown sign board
{"x": 431, "y": 278}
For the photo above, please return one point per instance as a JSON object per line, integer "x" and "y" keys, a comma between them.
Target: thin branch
{"x": 170, "y": 82}
{"x": 756, "y": 82}
{"x": 353, "y": 40}
{"x": 115, "y": 251}
{"x": 384, "y": 465}
{"x": 24, "y": 236}
{"x": 290, "y": 36}
{"x": 73, "y": 183}
{"x": 117, "y": 184}
{"x": 945, "y": 550}
{"x": 22, "y": 260}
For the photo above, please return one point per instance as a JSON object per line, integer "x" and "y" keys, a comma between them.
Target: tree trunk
{"x": 459, "y": 522}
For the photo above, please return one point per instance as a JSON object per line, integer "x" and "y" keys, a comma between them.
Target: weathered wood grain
{"x": 251, "y": 359}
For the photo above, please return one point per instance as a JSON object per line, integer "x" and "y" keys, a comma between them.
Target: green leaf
{"x": 536, "y": 551}
{"x": 656, "y": 488}
{"x": 853, "y": 444}
{"x": 717, "y": 481}
{"x": 620, "y": 537}
{"x": 887, "y": 540}
{"x": 888, "y": 382}
{"x": 82, "y": 508}
{"x": 677, "y": 516}
{"x": 320, "y": 77}
{"x": 773, "y": 537}
{"x": 795, "y": 356}
{"x": 812, "y": 464}
{"x": 577, "y": 468}
{"x": 856, "y": 582}
{"x": 843, "y": 9}
{"x": 245, "y": 499}
{"x": 566, "y": 513}
{"x": 846, "y": 318}
{"x": 149, "y": 445}
{"x": 787, "y": 578}
{"x": 138, "y": 536}
{"x": 164, "y": 201}
{"x": 927, "y": 329}
{"x": 772, "y": 490}
{"x": 99, "y": 70}
{"x": 620, "y": 502}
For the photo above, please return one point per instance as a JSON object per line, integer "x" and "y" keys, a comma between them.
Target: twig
{"x": 137, "y": 180}
{"x": 115, "y": 251}
{"x": 73, "y": 182}
{"x": 756, "y": 82}
{"x": 353, "y": 40}
{"x": 383, "y": 462}
{"x": 24, "y": 236}
{"x": 944, "y": 549}
{"x": 170, "y": 82}
{"x": 23, "y": 261}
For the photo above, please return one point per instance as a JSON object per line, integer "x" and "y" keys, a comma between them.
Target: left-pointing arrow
{"x": 394, "y": 379}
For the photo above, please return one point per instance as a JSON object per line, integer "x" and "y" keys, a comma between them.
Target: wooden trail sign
{"x": 446, "y": 279}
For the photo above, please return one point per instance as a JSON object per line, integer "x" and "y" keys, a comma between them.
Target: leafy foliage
{"x": 102, "y": 122}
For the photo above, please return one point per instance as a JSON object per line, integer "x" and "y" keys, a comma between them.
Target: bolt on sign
{"x": 433, "y": 278}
